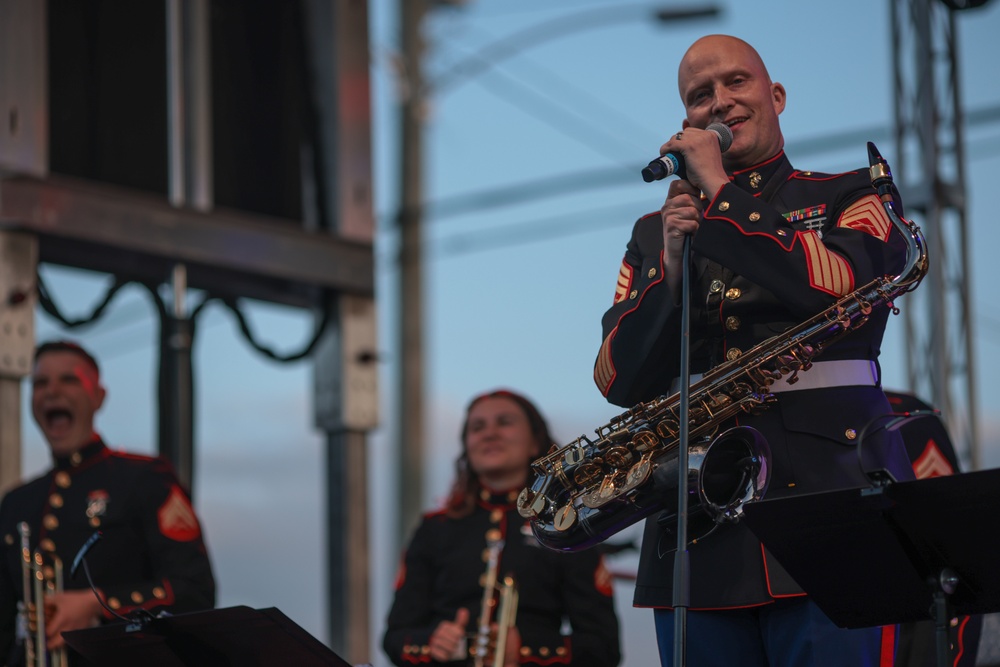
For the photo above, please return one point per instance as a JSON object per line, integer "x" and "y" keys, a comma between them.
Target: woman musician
{"x": 439, "y": 605}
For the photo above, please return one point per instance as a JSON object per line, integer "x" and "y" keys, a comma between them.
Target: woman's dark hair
{"x": 467, "y": 486}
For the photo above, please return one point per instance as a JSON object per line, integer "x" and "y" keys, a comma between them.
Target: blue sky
{"x": 515, "y": 292}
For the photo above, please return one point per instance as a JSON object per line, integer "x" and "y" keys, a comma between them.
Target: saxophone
{"x": 586, "y": 491}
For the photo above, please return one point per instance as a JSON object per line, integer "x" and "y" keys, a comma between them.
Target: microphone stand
{"x": 682, "y": 565}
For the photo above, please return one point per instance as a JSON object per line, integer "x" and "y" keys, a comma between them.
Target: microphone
{"x": 671, "y": 164}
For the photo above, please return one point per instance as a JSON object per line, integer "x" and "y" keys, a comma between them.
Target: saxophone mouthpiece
{"x": 873, "y": 155}
{"x": 879, "y": 173}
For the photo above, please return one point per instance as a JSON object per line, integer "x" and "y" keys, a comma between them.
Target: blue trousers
{"x": 788, "y": 633}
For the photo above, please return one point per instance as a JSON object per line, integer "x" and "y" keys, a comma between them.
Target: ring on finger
{"x": 678, "y": 136}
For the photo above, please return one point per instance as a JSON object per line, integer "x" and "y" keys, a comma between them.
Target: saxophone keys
{"x": 524, "y": 501}
{"x": 638, "y": 474}
{"x": 565, "y": 518}
{"x": 618, "y": 457}
{"x": 530, "y": 504}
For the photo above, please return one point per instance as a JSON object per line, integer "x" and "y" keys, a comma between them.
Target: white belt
{"x": 822, "y": 375}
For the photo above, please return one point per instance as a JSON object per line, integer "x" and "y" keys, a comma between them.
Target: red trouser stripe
{"x": 888, "y": 653}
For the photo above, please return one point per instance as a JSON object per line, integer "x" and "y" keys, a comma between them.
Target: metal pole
{"x": 411, "y": 324}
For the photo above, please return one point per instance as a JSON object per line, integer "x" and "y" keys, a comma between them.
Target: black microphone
{"x": 671, "y": 163}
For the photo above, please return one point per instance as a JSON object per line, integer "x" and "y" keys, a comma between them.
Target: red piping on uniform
{"x": 888, "y": 653}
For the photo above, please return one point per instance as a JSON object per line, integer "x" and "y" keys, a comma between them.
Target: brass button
{"x": 425, "y": 650}
{"x": 493, "y": 534}
{"x": 95, "y": 521}
{"x": 62, "y": 479}
{"x": 633, "y": 294}
{"x": 781, "y": 232}
{"x": 733, "y": 323}
{"x": 724, "y": 206}
{"x": 114, "y": 603}
{"x": 543, "y": 651}
{"x": 733, "y": 353}
{"x": 734, "y": 293}
{"x": 76, "y": 459}
{"x": 561, "y": 650}
{"x": 8, "y": 539}
{"x": 137, "y": 597}
{"x": 652, "y": 273}
{"x": 159, "y": 593}
{"x": 525, "y": 651}
{"x": 755, "y": 216}
{"x": 807, "y": 173}
{"x": 50, "y": 522}
{"x": 47, "y": 545}
{"x": 55, "y": 500}
{"x": 715, "y": 287}
{"x": 850, "y": 434}
{"x": 495, "y": 515}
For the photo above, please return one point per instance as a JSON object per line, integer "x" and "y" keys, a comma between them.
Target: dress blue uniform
{"x": 442, "y": 570}
{"x": 152, "y": 553}
{"x": 774, "y": 247}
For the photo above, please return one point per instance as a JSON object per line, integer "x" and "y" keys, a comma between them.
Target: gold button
{"x": 62, "y": 479}
{"x": 159, "y": 593}
{"x": 425, "y": 650}
{"x": 781, "y": 232}
{"x": 807, "y": 173}
{"x": 525, "y": 651}
{"x": 8, "y": 539}
{"x": 496, "y": 515}
{"x": 137, "y": 597}
{"x": 734, "y": 293}
{"x": 733, "y": 353}
{"x": 544, "y": 651}
{"x": 493, "y": 534}
{"x": 755, "y": 216}
{"x": 652, "y": 273}
{"x": 560, "y": 650}
{"x": 850, "y": 434}
{"x": 633, "y": 294}
{"x": 50, "y": 522}
{"x": 55, "y": 500}
{"x": 76, "y": 459}
{"x": 733, "y": 323}
{"x": 95, "y": 521}
{"x": 114, "y": 603}
{"x": 47, "y": 545}
{"x": 724, "y": 206}
{"x": 715, "y": 287}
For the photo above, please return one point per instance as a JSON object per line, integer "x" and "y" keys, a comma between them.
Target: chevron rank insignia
{"x": 867, "y": 215}
{"x": 624, "y": 282}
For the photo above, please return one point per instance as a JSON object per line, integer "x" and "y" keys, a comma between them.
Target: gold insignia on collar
{"x": 755, "y": 179}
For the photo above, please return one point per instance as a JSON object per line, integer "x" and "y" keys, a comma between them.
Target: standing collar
{"x": 756, "y": 178}
{"x": 92, "y": 451}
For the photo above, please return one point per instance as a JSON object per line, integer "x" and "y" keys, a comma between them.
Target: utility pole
{"x": 411, "y": 281}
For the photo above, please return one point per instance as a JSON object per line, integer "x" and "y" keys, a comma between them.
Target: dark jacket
{"x": 151, "y": 554}
{"x": 775, "y": 247}
{"x": 441, "y": 574}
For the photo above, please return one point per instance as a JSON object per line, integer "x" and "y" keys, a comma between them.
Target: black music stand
{"x": 907, "y": 551}
{"x": 235, "y": 636}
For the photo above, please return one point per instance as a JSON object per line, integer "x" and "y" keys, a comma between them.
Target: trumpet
{"x": 41, "y": 574}
{"x": 489, "y": 641}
